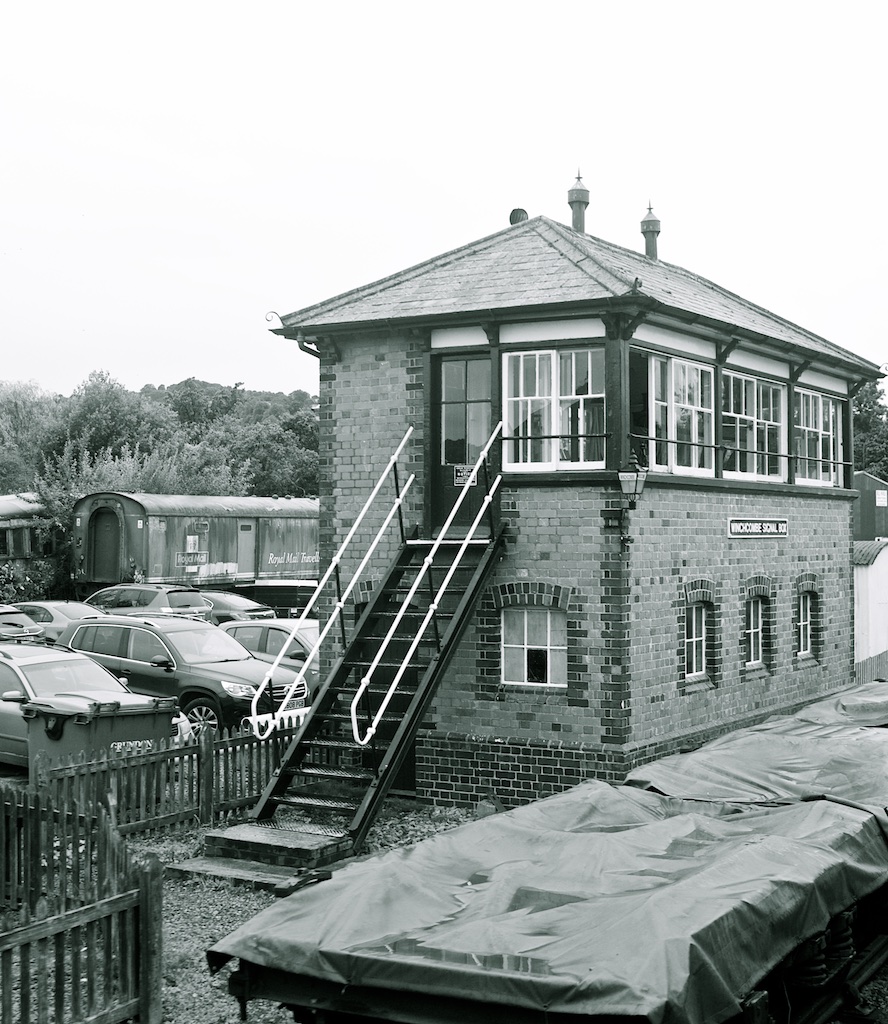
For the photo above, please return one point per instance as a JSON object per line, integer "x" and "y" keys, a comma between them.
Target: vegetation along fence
{"x": 80, "y": 917}
{"x": 168, "y": 785}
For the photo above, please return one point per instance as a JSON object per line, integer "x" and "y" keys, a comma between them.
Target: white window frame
{"x": 755, "y": 631}
{"x": 805, "y": 629}
{"x": 686, "y": 378}
{"x": 555, "y": 651}
{"x": 817, "y": 421}
{"x": 547, "y": 401}
{"x": 697, "y": 631}
{"x": 758, "y": 423}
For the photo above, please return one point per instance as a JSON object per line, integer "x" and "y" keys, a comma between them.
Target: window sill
{"x": 522, "y": 477}
{"x": 757, "y": 670}
{"x": 696, "y": 684}
{"x": 806, "y": 660}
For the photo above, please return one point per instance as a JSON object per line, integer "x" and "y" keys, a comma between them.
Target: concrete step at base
{"x": 249, "y": 873}
{"x": 280, "y": 847}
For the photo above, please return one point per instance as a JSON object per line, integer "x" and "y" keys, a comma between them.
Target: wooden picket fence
{"x": 80, "y": 918}
{"x": 201, "y": 782}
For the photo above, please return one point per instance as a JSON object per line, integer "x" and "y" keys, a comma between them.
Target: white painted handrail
{"x": 420, "y": 576}
{"x": 263, "y": 724}
{"x": 433, "y": 607}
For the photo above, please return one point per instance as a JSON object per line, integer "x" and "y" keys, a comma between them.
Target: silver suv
{"x": 150, "y": 599}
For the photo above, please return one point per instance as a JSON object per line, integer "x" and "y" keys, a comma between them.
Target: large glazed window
{"x": 681, "y": 409}
{"x": 753, "y": 428}
{"x": 818, "y": 439}
{"x": 554, "y": 409}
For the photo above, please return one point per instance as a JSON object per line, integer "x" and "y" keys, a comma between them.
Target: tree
{"x": 871, "y": 430}
{"x": 197, "y": 403}
{"x": 103, "y": 416}
{"x": 278, "y": 463}
{"x": 28, "y": 417}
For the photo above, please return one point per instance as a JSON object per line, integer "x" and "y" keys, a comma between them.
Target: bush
{"x": 33, "y": 583}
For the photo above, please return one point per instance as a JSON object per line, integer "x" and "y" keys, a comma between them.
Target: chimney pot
{"x": 578, "y": 200}
{"x": 650, "y": 228}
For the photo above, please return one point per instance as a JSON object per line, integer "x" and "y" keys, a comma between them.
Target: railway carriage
{"x": 264, "y": 547}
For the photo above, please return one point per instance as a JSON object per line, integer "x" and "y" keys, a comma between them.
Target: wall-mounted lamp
{"x": 632, "y": 479}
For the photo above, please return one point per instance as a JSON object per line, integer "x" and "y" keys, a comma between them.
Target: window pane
{"x": 513, "y": 665}
{"x": 478, "y": 429}
{"x": 478, "y": 380}
{"x": 537, "y": 666}
{"x": 537, "y": 627}
{"x": 454, "y": 381}
{"x": 513, "y": 626}
{"x": 453, "y": 435}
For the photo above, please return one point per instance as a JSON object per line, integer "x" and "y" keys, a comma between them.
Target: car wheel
{"x": 203, "y": 713}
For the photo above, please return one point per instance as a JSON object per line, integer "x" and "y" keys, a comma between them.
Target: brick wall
{"x": 626, "y": 699}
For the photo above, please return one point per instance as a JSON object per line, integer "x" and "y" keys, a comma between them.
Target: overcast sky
{"x": 173, "y": 171}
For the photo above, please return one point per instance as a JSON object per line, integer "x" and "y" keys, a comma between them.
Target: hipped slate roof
{"x": 540, "y": 263}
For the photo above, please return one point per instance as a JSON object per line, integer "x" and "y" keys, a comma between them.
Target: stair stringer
{"x": 425, "y": 692}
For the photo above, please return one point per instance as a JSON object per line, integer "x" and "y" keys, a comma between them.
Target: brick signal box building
{"x": 611, "y": 631}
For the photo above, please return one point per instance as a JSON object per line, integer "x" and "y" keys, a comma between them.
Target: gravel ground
{"x": 197, "y": 913}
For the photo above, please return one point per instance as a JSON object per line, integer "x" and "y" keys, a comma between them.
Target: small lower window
{"x": 755, "y": 631}
{"x": 534, "y": 647}
{"x": 805, "y": 631}
{"x": 697, "y": 628}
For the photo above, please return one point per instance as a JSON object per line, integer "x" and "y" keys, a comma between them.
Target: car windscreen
{"x": 71, "y": 675}
{"x": 201, "y": 646}
{"x": 186, "y": 599}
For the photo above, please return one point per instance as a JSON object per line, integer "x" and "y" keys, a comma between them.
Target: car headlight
{"x": 244, "y": 690}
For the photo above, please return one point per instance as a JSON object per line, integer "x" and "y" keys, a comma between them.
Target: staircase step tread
{"x": 328, "y": 772}
{"x": 325, "y": 803}
{"x": 250, "y": 873}
{"x": 455, "y": 542}
{"x": 338, "y": 744}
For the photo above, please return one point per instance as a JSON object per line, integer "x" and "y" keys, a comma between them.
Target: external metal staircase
{"x": 362, "y": 723}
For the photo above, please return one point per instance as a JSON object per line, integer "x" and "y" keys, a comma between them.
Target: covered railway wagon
{"x": 21, "y": 540}
{"x": 264, "y": 547}
{"x": 744, "y": 881}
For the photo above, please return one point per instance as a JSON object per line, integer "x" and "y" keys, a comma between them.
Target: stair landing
{"x": 263, "y": 856}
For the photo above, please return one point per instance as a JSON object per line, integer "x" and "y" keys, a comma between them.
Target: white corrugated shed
{"x": 870, "y": 599}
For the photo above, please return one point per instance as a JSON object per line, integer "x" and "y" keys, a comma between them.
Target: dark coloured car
{"x": 150, "y": 599}
{"x": 213, "y": 677}
{"x": 54, "y": 616}
{"x": 35, "y": 672}
{"x": 16, "y": 625}
{"x": 266, "y": 637}
{"x": 225, "y": 607}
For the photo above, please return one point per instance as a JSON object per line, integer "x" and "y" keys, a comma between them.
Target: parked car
{"x": 150, "y": 599}
{"x": 53, "y": 616}
{"x": 16, "y": 625}
{"x": 213, "y": 677}
{"x": 227, "y": 607}
{"x": 35, "y": 672}
{"x": 266, "y": 637}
